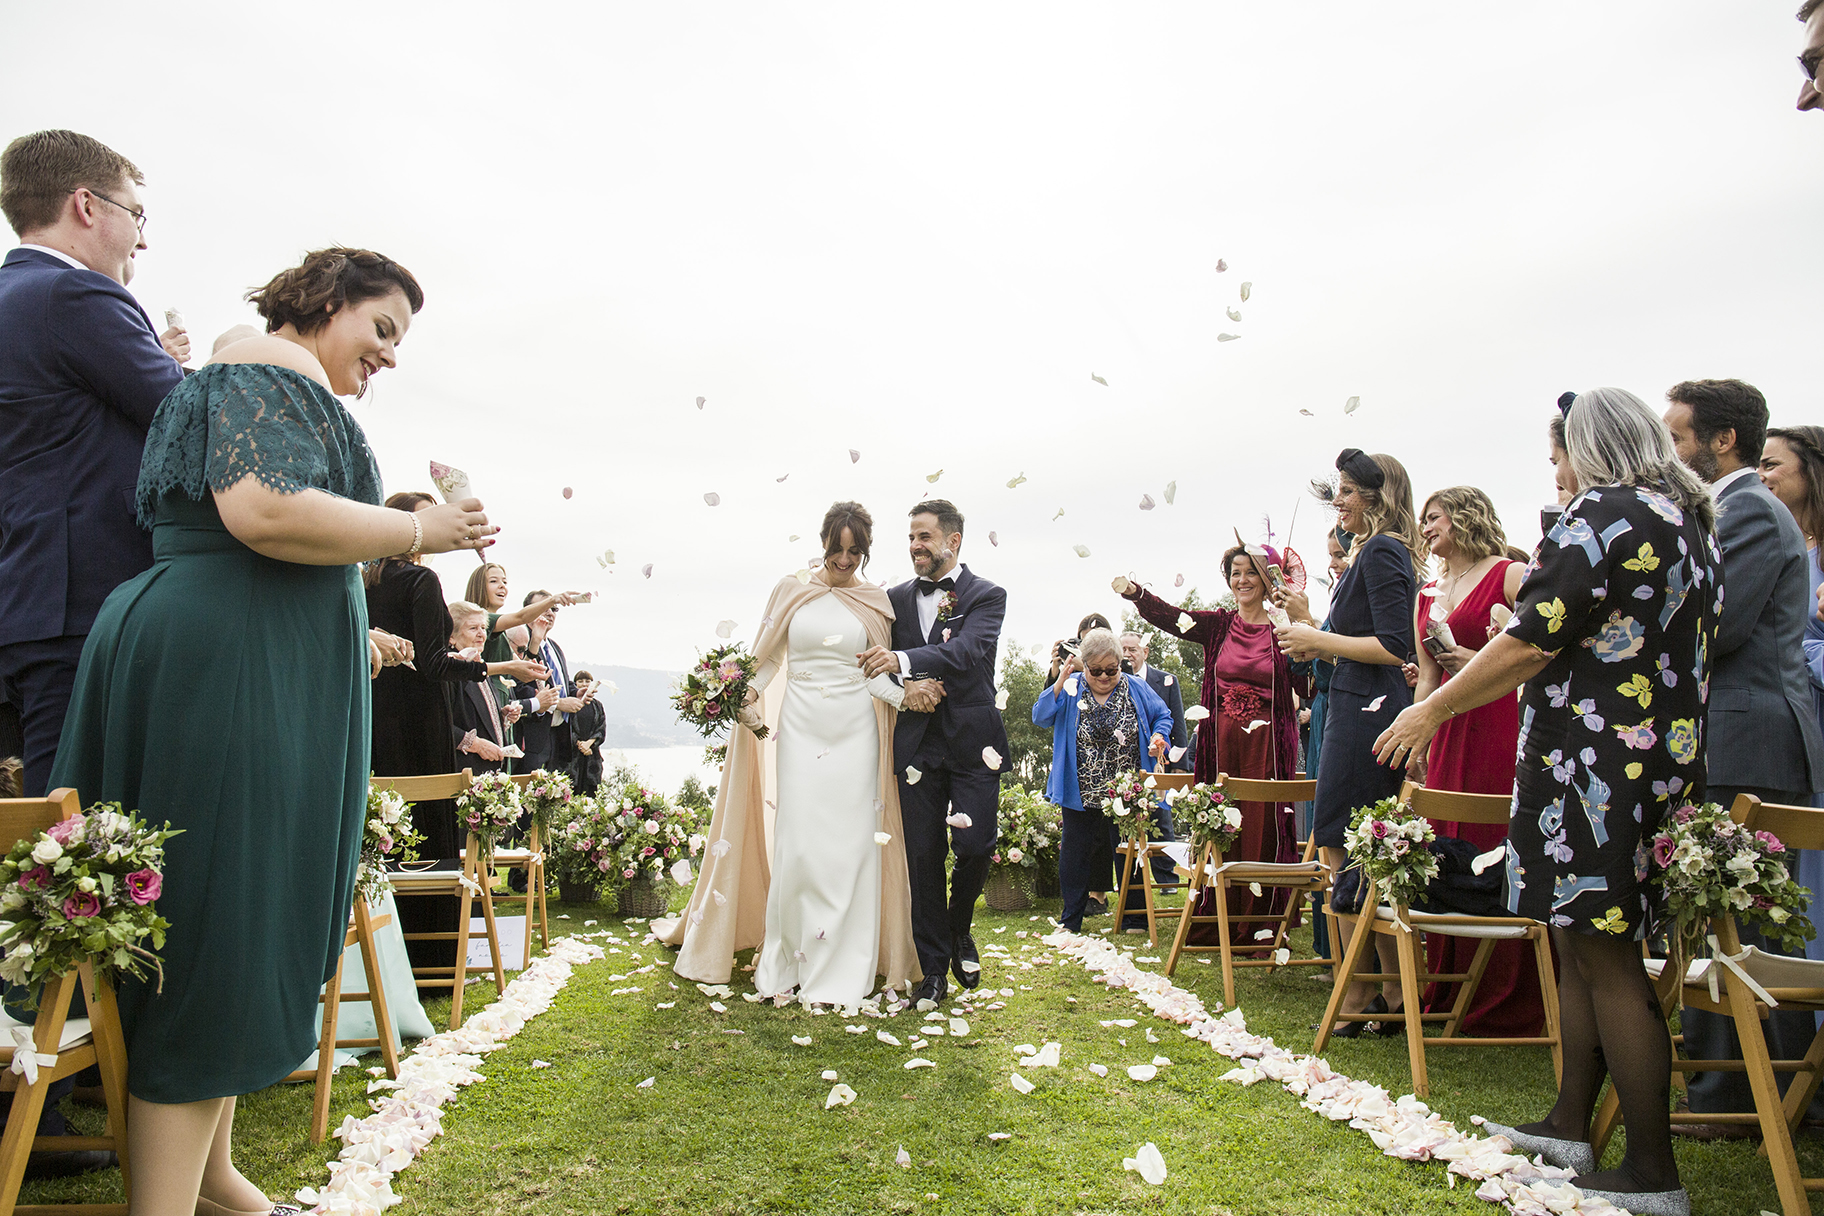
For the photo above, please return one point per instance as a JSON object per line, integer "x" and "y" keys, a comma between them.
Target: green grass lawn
{"x": 735, "y": 1123}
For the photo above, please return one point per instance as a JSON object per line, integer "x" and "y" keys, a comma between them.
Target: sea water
{"x": 663, "y": 769}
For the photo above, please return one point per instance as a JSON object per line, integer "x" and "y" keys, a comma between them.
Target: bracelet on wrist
{"x": 417, "y": 536}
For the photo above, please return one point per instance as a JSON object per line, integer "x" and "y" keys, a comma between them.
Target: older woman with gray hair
{"x": 1611, "y": 635}
{"x": 1103, "y": 722}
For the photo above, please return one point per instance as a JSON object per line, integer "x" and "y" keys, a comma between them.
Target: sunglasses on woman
{"x": 1103, "y": 672}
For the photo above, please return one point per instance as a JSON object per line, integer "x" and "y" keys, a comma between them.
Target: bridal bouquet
{"x": 1026, "y": 828}
{"x": 585, "y": 841}
{"x": 1389, "y": 842}
{"x": 710, "y": 695}
{"x": 488, "y": 808}
{"x": 545, "y": 795}
{"x": 85, "y": 889}
{"x": 1207, "y": 814}
{"x": 388, "y": 828}
{"x": 656, "y": 835}
{"x": 1709, "y": 865}
{"x": 1133, "y": 803}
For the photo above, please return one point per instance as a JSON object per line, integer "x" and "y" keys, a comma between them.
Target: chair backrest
{"x": 23, "y": 818}
{"x": 1256, "y": 789}
{"x": 1452, "y": 806}
{"x": 1798, "y": 827}
{"x": 1172, "y": 781}
{"x": 522, "y": 780}
{"x": 425, "y": 789}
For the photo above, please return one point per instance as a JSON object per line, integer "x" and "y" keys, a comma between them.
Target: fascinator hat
{"x": 1290, "y": 565}
{"x": 1360, "y": 468}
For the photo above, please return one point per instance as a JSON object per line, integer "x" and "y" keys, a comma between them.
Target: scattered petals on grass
{"x": 1147, "y": 1163}
{"x": 917, "y": 1062}
{"x": 803, "y": 1040}
{"x": 840, "y": 1095}
{"x": 1020, "y": 1083}
{"x": 1142, "y": 1072}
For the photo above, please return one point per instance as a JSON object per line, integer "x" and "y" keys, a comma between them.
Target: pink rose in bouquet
{"x": 35, "y": 879}
{"x": 64, "y": 829}
{"x": 144, "y": 886}
{"x": 81, "y": 906}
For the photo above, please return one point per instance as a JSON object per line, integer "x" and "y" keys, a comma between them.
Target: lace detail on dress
{"x": 234, "y": 420}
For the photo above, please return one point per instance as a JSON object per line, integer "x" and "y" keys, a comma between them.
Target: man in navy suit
{"x": 1133, "y": 649}
{"x": 946, "y": 629}
{"x": 81, "y": 372}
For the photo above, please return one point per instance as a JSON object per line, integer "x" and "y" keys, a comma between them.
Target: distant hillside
{"x": 640, "y": 713}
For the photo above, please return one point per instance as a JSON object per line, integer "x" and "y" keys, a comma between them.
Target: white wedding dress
{"x": 823, "y": 906}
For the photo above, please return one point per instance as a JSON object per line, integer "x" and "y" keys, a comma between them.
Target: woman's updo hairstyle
{"x": 854, "y": 517}
{"x": 328, "y": 280}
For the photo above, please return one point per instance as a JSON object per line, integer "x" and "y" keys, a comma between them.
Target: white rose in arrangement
{"x": 652, "y": 827}
{"x": 1739, "y": 899}
{"x": 1778, "y": 915}
{"x": 87, "y": 885}
{"x": 376, "y": 825}
{"x": 1015, "y": 856}
{"x": 11, "y": 901}
{"x": 1232, "y": 816}
{"x": 1743, "y": 863}
{"x": 46, "y": 851}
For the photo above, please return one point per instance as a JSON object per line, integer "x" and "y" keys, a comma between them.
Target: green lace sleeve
{"x": 235, "y": 420}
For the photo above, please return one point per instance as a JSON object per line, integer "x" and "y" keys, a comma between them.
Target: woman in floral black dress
{"x": 1612, "y": 635}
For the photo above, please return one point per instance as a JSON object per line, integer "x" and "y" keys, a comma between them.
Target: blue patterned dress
{"x": 227, "y": 693}
{"x": 1624, "y": 594}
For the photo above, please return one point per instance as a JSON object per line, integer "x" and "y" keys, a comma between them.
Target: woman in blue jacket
{"x": 1102, "y": 723}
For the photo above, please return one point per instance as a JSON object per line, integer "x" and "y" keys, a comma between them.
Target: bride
{"x": 829, "y": 906}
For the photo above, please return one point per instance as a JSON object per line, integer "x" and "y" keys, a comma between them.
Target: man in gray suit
{"x": 1762, "y": 737}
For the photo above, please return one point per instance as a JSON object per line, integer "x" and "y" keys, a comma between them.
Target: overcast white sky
{"x": 916, "y": 231}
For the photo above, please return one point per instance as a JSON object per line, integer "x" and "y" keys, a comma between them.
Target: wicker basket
{"x": 643, "y": 896}
{"x": 1009, "y": 889}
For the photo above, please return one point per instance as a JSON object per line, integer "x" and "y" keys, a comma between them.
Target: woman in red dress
{"x": 1474, "y": 751}
{"x": 1252, "y": 724}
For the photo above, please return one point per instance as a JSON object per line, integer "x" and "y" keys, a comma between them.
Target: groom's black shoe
{"x": 933, "y": 988}
{"x": 965, "y": 963}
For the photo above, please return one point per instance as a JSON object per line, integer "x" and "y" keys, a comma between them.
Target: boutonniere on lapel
{"x": 946, "y": 607}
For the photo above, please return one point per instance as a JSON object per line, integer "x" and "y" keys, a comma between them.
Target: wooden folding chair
{"x": 1141, "y": 857}
{"x": 1794, "y": 984}
{"x": 361, "y": 925}
{"x": 531, "y": 859}
{"x": 469, "y": 883}
{"x": 1210, "y": 870}
{"x": 1404, "y": 926}
{"x": 65, "y": 1046}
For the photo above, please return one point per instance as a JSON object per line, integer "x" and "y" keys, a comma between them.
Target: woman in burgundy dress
{"x": 1473, "y": 752}
{"x": 1252, "y": 727}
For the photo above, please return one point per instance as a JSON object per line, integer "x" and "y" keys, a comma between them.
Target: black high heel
{"x": 1353, "y": 1030}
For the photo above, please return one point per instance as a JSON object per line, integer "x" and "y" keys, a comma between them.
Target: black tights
{"x": 1612, "y": 1026}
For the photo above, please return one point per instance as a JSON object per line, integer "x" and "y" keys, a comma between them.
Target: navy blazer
{"x": 81, "y": 374}
{"x": 1374, "y": 598}
{"x": 966, "y": 718}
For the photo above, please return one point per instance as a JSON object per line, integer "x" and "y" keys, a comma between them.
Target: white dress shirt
{"x": 1716, "y": 487}
{"x": 56, "y": 253}
{"x": 927, "y": 606}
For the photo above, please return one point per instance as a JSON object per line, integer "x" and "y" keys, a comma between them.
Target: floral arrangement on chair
{"x": 1708, "y": 865}
{"x": 388, "y": 829}
{"x": 488, "y": 808}
{"x": 1133, "y": 802}
{"x": 585, "y": 841}
{"x": 1026, "y": 828}
{"x": 1204, "y": 810}
{"x": 656, "y": 835}
{"x": 85, "y": 889}
{"x": 1390, "y": 843}
{"x": 710, "y": 695}
{"x": 546, "y": 795}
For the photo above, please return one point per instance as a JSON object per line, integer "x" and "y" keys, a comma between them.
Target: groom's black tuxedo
{"x": 946, "y": 747}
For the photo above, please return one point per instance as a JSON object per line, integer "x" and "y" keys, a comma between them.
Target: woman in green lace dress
{"x": 225, "y": 689}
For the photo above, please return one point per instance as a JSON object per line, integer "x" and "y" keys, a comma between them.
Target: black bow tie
{"x": 927, "y": 587}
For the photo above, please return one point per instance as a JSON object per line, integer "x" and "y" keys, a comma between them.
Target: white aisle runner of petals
{"x": 409, "y": 1118}
{"x": 1406, "y": 1128}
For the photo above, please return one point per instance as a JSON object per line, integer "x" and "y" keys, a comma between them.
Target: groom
{"x": 946, "y": 629}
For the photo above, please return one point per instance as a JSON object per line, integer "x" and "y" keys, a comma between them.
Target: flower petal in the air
{"x": 991, "y": 758}
{"x": 725, "y": 629}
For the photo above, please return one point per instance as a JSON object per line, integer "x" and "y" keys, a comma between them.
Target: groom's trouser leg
{"x": 922, "y": 808}
{"x": 975, "y": 792}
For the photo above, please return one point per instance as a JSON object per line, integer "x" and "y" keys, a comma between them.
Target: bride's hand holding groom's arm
{"x": 878, "y": 661}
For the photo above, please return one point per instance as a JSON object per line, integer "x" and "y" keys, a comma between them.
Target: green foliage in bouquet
{"x": 655, "y": 834}
{"x": 1206, "y": 814}
{"x": 1028, "y": 829}
{"x": 709, "y": 696}
{"x": 387, "y": 832}
{"x": 1707, "y": 865}
{"x": 585, "y": 841}
{"x": 1388, "y": 841}
{"x": 488, "y": 808}
{"x": 545, "y": 795}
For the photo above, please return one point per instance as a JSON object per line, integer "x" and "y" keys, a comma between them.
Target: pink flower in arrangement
{"x": 144, "y": 886}
{"x": 63, "y": 829}
{"x": 712, "y": 709}
{"x": 1663, "y": 848}
{"x": 648, "y": 851}
{"x": 602, "y": 865}
{"x": 628, "y": 873}
{"x": 1771, "y": 841}
{"x": 81, "y": 905}
{"x": 1762, "y": 903}
{"x": 35, "y": 879}
{"x": 1684, "y": 814}
{"x": 1378, "y": 830}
